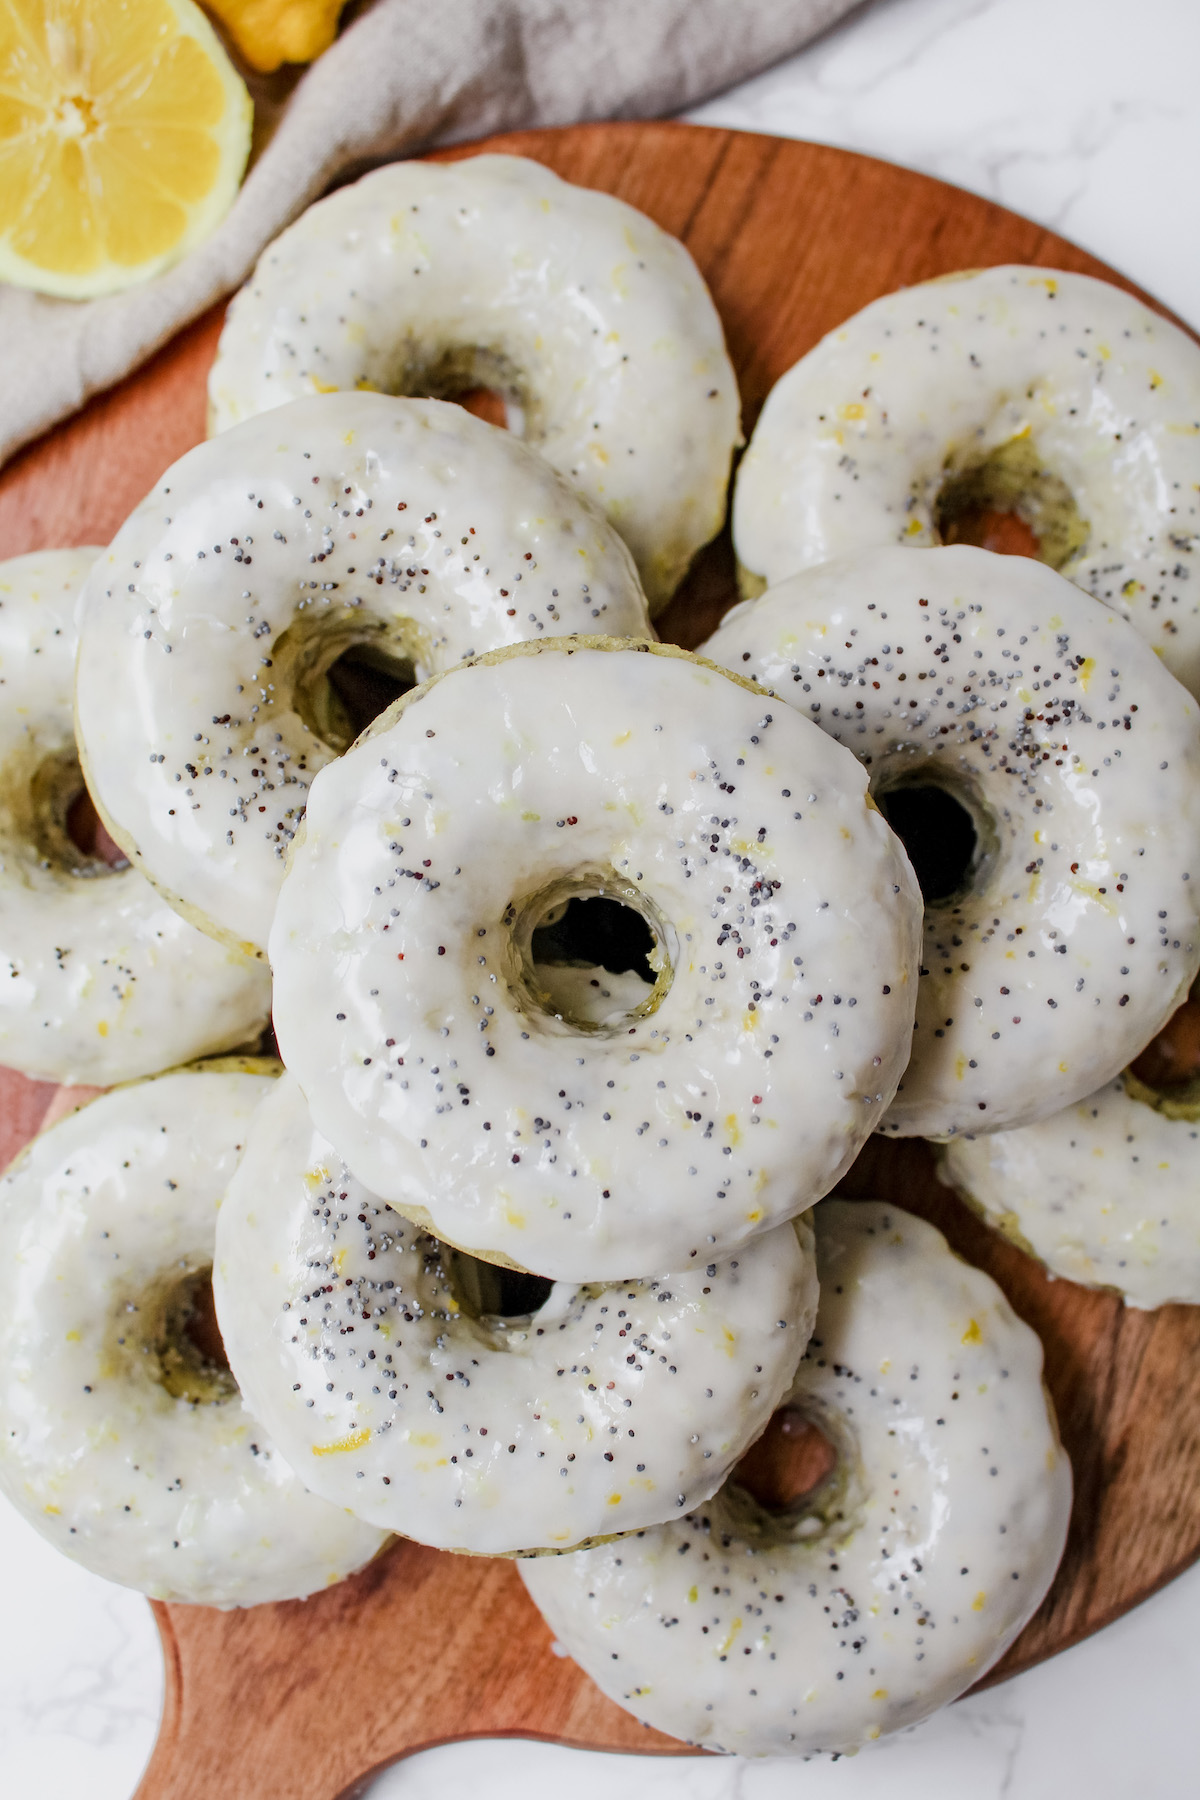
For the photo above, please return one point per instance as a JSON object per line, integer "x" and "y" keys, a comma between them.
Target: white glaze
{"x": 100, "y": 981}
{"x": 99, "y": 1219}
{"x": 854, "y": 442}
{"x": 609, "y": 1408}
{"x": 594, "y": 323}
{"x": 343, "y": 520}
{"x": 1106, "y": 1193}
{"x": 1078, "y": 937}
{"x": 783, "y": 1013}
{"x": 900, "y": 1580}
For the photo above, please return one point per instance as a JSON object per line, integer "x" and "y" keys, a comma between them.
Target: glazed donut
{"x": 596, "y": 326}
{"x": 900, "y": 1579}
{"x": 100, "y": 981}
{"x": 124, "y": 1444}
{"x": 1105, "y": 1193}
{"x": 1058, "y": 745}
{"x": 418, "y": 1003}
{"x": 386, "y": 1374}
{"x": 1053, "y": 396}
{"x": 405, "y": 529}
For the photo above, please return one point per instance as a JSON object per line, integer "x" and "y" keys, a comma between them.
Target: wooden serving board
{"x": 306, "y": 1701}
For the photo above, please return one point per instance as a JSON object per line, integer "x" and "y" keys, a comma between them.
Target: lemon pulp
{"x": 124, "y": 132}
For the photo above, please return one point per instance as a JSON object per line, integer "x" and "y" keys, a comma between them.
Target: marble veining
{"x": 1069, "y": 114}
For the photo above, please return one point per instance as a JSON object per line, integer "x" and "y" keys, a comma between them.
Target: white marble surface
{"x": 1082, "y": 114}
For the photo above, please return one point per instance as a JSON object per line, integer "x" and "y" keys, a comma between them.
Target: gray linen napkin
{"x": 407, "y": 75}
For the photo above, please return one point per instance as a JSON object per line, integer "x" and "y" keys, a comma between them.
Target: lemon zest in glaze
{"x": 972, "y": 1335}
{"x": 354, "y": 1440}
{"x": 1091, "y": 892}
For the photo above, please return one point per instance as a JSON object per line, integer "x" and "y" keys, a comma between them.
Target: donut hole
{"x": 340, "y": 677}
{"x": 483, "y": 382}
{"x": 1010, "y": 503}
{"x": 174, "y": 1330}
{"x": 63, "y": 823}
{"x": 1003, "y": 533}
{"x": 483, "y": 403}
{"x": 939, "y": 833}
{"x": 487, "y": 1290}
{"x": 1167, "y": 1073}
{"x": 788, "y": 1465}
{"x": 596, "y": 932}
{"x": 87, "y": 831}
{"x": 367, "y": 681}
{"x": 592, "y": 957}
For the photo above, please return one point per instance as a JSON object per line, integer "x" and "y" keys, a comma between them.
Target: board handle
{"x": 311, "y": 1699}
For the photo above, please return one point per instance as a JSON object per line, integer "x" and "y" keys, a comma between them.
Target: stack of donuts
{"x": 592, "y": 963}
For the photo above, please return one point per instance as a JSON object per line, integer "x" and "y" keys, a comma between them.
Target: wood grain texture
{"x": 305, "y": 1701}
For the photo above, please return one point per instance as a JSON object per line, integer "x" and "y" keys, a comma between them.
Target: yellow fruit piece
{"x": 270, "y": 32}
{"x": 124, "y": 132}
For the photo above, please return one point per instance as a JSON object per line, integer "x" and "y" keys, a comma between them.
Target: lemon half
{"x": 124, "y": 132}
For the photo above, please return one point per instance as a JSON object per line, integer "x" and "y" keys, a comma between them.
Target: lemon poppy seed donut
{"x": 125, "y": 1443}
{"x": 420, "y": 996}
{"x": 1031, "y": 391}
{"x": 100, "y": 981}
{"x": 896, "y": 1583}
{"x": 426, "y": 278}
{"x": 404, "y": 530}
{"x": 384, "y": 1375}
{"x": 1042, "y": 726}
{"x": 1106, "y": 1193}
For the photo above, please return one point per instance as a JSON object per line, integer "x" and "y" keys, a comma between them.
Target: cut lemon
{"x": 270, "y": 32}
{"x": 124, "y": 132}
